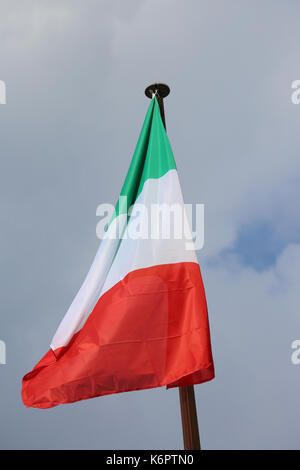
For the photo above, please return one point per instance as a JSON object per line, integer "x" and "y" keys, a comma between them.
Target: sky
{"x": 75, "y": 73}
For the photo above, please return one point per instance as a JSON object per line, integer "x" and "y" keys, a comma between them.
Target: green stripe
{"x": 153, "y": 157}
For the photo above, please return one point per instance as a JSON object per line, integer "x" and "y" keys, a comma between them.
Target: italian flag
{"x": 140, "y": 318}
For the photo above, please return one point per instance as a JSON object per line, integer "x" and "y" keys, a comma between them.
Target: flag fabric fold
{"x": 140, "y": 317}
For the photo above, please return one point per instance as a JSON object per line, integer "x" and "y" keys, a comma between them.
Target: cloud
{"x": 255, "y": 318}
{"x": 75, "y": 75}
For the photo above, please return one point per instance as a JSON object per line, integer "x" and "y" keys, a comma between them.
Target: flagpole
{"x": 188, "y": 408}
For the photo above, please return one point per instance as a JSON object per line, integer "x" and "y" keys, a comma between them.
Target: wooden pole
{"x": 188, "y": 408}
{"x": 190, "y": 428}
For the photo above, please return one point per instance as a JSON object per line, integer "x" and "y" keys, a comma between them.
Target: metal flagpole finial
{"x": 158, "y": 89}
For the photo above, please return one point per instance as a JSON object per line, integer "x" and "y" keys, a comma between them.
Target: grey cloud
{"x": 75, "y": 74}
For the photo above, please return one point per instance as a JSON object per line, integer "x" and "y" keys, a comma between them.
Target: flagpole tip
{"x": 160, "y": 89}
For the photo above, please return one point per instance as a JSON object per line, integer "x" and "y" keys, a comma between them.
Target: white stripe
{"x": 144, "y": 253}
{"x": 89, "y": 293}
{"x": 115, "y": 259}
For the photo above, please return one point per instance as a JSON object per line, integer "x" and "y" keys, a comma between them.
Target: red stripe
{"x": 151, "y": 329}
